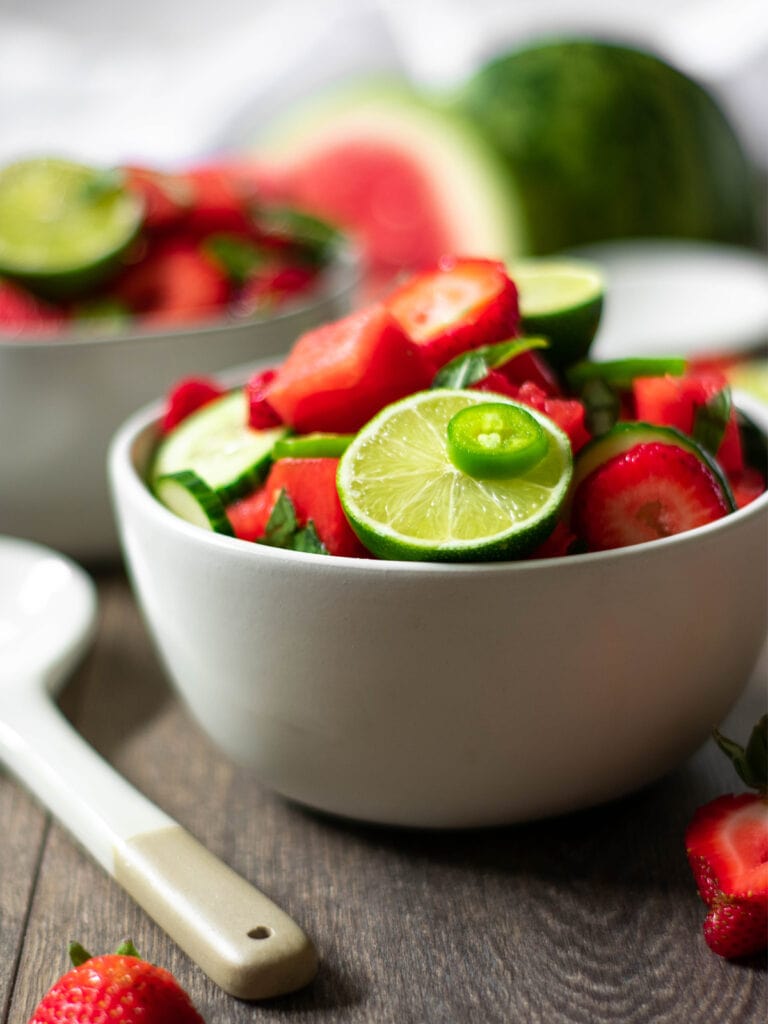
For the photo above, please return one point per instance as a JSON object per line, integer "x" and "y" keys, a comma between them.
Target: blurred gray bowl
{"x": 62, "y": 399}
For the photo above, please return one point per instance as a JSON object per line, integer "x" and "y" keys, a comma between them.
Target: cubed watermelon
{"x": 311, "y": 486}
{"x": 336, "y": 377}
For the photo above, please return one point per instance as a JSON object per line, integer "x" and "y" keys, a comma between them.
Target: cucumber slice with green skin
{"x": 312, "y": 446}
{"x": 626, "y": 435}
{"x": 217, "y": 444}
{"x": 621, "y": 372}
{"x": 190, "y": 498}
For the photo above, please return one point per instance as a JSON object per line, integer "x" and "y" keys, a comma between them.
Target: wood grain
{"x": 590, "y": 918}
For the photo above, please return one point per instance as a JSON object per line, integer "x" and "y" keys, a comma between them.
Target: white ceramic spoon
{"x": 239, "y": 938}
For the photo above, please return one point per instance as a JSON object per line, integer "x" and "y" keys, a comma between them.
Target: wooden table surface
{"x": 588, "y": 918}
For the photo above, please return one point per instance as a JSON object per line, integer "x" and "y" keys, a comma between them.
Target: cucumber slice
{"x": 217, "y": 444}
{"x": 191, "y": 499}
{"x": 626, "y": 435}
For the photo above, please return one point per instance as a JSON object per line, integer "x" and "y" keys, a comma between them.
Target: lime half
{"x": 63, "y": 226}
{"x": 563, "y": 300}
{"x": 406, "y": 499}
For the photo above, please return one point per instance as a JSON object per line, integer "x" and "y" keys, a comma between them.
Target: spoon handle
{"x": 242, "y": 940}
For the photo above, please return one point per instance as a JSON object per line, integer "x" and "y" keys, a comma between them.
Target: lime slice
{"x": 405, "y": 498}
{"x": 63, "y": 226}
{"x": 563, "y": 300}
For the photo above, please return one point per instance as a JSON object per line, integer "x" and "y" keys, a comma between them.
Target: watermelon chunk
{"x": 673, "y": 401}
{"x": 311, "y": 486}
{"x": 339, "y": 375}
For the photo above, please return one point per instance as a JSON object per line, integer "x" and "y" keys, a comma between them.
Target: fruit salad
{"x": 84, "y": 248}
{"x": 435, "y": 425}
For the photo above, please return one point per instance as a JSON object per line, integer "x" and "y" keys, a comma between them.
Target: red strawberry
{"x": 311, "y": 486}
{"x": 176, "y": 283}
{"x": 186, "y": 396}
{"x": 459, "y": 305}
{"x": 727, "y": 847}
{"x": 220, "y": 201}
{"x": 23, "y": 313}
{"x": 261, "y": 415}
{"x": 652, "y": 490}
{"x": 118, "y": 986}
{"x": 747, "y": 485}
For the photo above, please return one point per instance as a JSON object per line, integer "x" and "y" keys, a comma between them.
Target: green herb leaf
{"x": 751, "y": 763}
{"x": 314, "y": 239}
{"x": 471, "y": 367}
{"x": 237, "y": 257}
{"x": 711, "y": 419}
{"x": 283, "y": 530}
{"x": 601, "y": 406}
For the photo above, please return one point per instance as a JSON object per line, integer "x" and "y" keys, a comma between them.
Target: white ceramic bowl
{"x": 448, "y": 695}
{"x": 62, "y": 400}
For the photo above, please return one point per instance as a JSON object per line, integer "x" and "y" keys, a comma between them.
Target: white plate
{"x": 682, "y": 298}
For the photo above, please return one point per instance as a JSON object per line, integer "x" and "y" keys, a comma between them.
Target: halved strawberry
{"x": 727, "y": 847}
{"x": 177, "y": 282}
{"x": 461, "y": 304}
{"x": 338, "y": 375}
{"x": 22, "y": 313}
{"x": 220, "y": 201}
{"x": 649, "y": 491}
{"x": 673, "y": 401}
{"x": 311, "y": 486}
{"x": 185, "y": 397}
{"x": 747, "y": 485}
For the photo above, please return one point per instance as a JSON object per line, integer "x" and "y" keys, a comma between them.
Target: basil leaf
{"x": 237, "y": 257}
{"x": 711, "y": 419}
{"x": 283, "y": 530}
{"x": 473, "y": 366}
{"x": 315, "y": 239}
{"x": 601, "y": 406}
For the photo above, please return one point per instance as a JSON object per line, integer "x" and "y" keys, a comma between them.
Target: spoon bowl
{"x": 246, "y": 944}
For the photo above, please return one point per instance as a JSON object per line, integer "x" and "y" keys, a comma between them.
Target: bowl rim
{"x": 126, "y": 480}
{"x": 342, "y": 275}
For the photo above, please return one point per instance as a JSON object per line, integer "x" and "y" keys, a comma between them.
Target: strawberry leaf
{"x": 315, "y": 239}
{"x": 283, "y": 530}
{"x": 471, "y": 367}
{"x": 751, "y": 763}
{"x": 77, "y": 954}
{"x": 711, "y": 419}
{"x": 127, "y": 948}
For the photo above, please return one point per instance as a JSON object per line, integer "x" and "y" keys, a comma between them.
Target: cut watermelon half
{"x": 413, "y": 180}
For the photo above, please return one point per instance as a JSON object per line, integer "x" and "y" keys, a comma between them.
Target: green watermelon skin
{"x": 607, "y": 142}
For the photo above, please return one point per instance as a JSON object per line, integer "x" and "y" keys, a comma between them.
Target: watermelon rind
{"x": 606, "y": 141}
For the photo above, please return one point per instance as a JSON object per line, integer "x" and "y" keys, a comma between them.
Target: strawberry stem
{"x": 751, "y": 762}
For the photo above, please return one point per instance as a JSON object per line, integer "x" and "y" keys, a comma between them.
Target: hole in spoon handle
{"x": 235, "y": 933}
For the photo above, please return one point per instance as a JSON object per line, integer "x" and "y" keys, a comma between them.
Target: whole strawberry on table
{"x": 117, "y": 986}
{"x": 727, "y": 847}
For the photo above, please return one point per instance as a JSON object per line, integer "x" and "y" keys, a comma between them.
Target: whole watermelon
{"x": 605, "y": 141}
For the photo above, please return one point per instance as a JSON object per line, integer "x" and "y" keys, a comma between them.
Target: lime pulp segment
{"x": 406, "y": 499}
